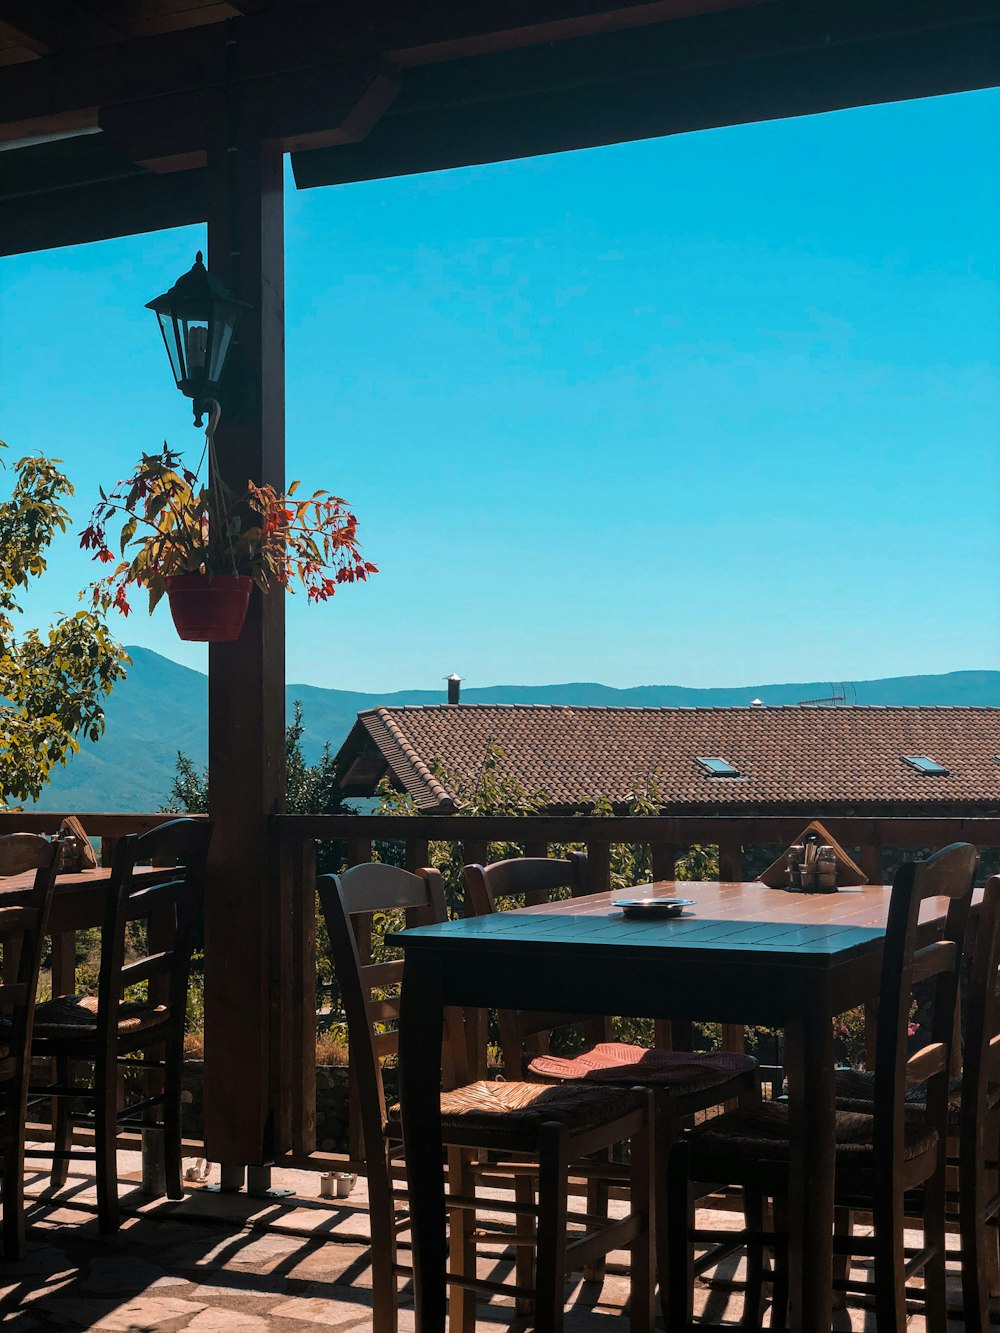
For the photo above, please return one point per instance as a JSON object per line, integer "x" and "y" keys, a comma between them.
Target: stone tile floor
{"x": 216, "y": 1262}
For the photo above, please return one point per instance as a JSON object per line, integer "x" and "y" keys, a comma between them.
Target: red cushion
{"x": 617, "y": 1062}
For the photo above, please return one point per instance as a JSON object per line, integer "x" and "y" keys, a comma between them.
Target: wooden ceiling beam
{"x": 438, "y": 131}
{"x": 96, "y": 212}
{"x": 47, "y": 26}
{"x": 318, "y": 108}
{"x": 286, "y": 39}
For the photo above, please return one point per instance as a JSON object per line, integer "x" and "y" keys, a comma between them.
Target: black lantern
{"x": 198, "y": 318}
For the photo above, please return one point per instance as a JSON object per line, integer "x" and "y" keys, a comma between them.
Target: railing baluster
{"x": 870, "y": 861}
{"x": 298, "y": 870}
{"x": 599, "y": 857}
{"x": 731, "y": 870}
{"x": 665, "y": 860}
{"x": 475, "y": 852}
{"x": 64, "y": 963}
{"x": 730, "y": 860}
{"x": 535, "y": 847}
{"x": 359, "y": 850}
{"x": 418, "y": 852}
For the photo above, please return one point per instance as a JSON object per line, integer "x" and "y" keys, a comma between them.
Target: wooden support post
{"x": 247, "y": 941}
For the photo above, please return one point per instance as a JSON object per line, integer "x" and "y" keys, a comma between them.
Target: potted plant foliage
{"x": 205, "y": 546}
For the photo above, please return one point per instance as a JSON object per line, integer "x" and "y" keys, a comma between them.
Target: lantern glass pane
{"x": 194, "y": 336}
{"x": 167, "y": 328}
{"x": 222, "y": 336}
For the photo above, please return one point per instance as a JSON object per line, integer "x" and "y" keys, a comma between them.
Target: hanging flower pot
{"x": 175, "y": 530}
{"x": 209, "y": 608}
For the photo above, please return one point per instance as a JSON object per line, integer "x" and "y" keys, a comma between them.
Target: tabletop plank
{"x": 865, "y": 905}
{"x": 78, "y": 900}
{"x": 522, "y": 933}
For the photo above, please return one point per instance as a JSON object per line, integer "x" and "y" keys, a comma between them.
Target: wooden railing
{"x": 668, "y": 838}
{"x": 293, "y": 935}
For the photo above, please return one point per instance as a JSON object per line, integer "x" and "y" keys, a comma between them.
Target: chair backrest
{"x": 529, "y": 881}
{"x": 534, "y": 879}
{"x": 349, "y": 901}
{"x": 167, "y": 896}
{"x": 936, "y": 963}
{"x": 22, "y": 930}
{"x": 981, "y": 1065}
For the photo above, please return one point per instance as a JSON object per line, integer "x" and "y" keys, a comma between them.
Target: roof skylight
{"x": 924, "y": 765}
{"x": 718, "y": 768}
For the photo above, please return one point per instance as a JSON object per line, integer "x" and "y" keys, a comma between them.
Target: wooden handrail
{"x": 662, "y": 830}
{"x": 682, "y": 830}
{"x": 98, "y": 824}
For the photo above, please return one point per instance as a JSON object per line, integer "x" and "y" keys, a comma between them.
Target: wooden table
{"x": 78, "y": 903}
{"x": 750, "y": 954}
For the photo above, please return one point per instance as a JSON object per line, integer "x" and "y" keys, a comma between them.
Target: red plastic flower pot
{"x": 209, "y": 608}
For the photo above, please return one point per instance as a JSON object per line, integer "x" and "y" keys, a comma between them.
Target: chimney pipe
{"x": 454, "y": 688}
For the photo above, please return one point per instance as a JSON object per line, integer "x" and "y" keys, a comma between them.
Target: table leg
{"x": 809, "y": 1062}
{"x": 420, "y": 1033}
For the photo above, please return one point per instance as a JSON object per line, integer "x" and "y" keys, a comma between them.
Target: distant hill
{"x": 161, "y": 708}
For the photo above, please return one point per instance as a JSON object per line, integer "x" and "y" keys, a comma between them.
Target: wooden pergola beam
{"x": 319, "y": 107}
{"x": 96, "y": 212}
{"x": 44, "y": 26}
{"x": 305, "y": 36}
{"x": 772, "y": 59}
{"x": 497, "y": 108}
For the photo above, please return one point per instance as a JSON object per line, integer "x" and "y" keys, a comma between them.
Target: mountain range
{"x": 161, "y": 708}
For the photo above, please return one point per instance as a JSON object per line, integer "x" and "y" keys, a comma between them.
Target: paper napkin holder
{"x": 848, "y": 871}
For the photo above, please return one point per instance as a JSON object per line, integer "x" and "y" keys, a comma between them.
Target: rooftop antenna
{"x": 837, "y": 698}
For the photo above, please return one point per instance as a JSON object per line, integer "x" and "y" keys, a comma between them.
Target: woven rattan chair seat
{"x": 855, "y": 1089}
{"x": 76, "y": 1015}
{"x": 612, "y": 1062}
{"x": 761, "y": 1134}
{"x": 521, "y": 1108}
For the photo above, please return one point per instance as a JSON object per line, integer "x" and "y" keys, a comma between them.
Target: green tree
{"x": 52, "y": 682}
{"x": 310, "y": 789}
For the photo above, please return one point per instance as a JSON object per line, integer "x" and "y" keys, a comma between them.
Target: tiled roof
{"x": 829, "y": 758}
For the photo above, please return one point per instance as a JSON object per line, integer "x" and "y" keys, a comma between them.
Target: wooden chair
{"x": 685, "y": 1083}
{"x": 22, "y": 930}
{"x": 979, "y": 1122}
{"x": 109, "y": 1030}
{"x": 546, "y": 1130}
{"x": 973, "y": 1114}
{"x": 879, "y": 1157}
{"x": 529, "y": 881}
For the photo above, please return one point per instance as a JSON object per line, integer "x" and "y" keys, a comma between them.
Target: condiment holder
{"x": 814, "y": 863}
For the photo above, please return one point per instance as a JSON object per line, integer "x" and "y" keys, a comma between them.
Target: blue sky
{"x": 716, "y": 409}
